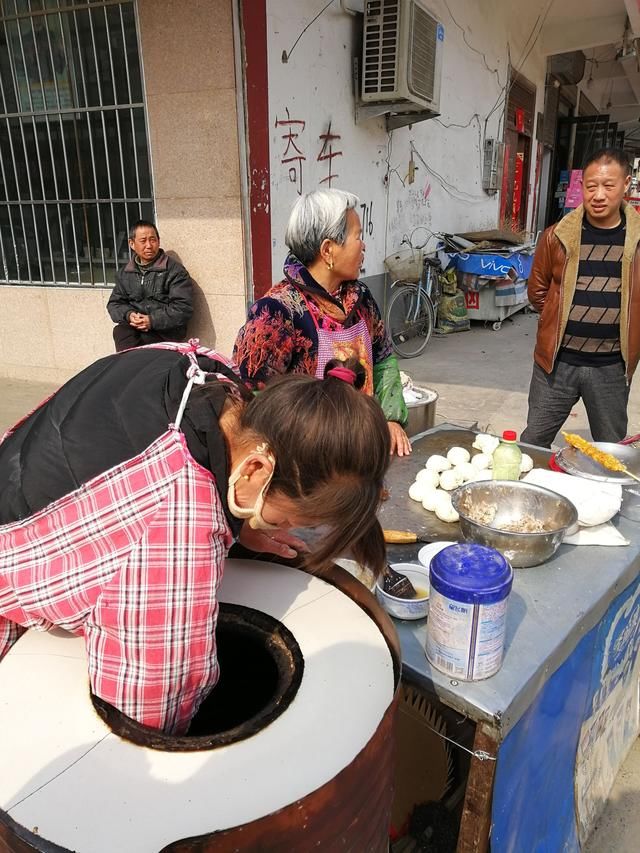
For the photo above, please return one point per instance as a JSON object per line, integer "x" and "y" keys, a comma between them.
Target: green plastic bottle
{"x": 507, "y": 458}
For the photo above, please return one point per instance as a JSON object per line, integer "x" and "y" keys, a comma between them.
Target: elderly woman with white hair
{"x": 320, "y": 311}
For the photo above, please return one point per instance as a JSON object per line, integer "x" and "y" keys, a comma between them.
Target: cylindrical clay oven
{"x": 292, "y": 751}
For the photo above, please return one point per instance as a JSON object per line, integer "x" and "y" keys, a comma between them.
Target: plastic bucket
{"x": 422, "y": 413}
{"x": 470, "y": 586}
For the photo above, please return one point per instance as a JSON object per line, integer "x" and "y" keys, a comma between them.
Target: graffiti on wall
{"x": 366, "y": 217}
{"x": 293, "y": 156}
{"x": 328, "y": 153}
{"x": 293, "y": 150}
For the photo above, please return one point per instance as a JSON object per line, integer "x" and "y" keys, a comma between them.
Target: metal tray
{"x": 574, "y": 462}
{"x": 399, "y": 512}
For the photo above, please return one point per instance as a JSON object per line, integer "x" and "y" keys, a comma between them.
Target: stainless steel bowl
{"x": 502, "y": 503}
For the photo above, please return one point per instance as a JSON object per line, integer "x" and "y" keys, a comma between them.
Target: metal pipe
{"x": 36, "y": 143}
{"x": 26, "y": 153}
{"x": 93, "y": 162}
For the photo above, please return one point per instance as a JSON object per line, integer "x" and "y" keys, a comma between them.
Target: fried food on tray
{"x": 607, "y": 460}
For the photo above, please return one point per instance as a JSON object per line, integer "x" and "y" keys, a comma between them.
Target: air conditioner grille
{"x": 381, "y": 46}
{"x": 424, "y": 36}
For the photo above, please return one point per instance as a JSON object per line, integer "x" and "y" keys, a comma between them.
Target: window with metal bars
{"x": 74, "y": 162}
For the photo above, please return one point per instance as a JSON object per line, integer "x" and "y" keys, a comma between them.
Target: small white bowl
{"x": 406, "y": 608}
{"x": 428, "y": 552}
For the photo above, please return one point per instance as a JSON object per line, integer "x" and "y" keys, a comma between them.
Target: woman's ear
{"x": 326, "y": 251}
{"x": 256, "y": 471}
{"x": 259, "y": 468}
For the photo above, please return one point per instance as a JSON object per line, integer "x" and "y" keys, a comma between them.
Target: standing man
{"x": 585, "y": 284}
{"x": 153, "y": 297}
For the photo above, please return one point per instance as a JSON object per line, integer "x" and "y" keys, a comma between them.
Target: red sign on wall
{"x": 505, "y": 183}
{"x": 519, "y": 119}
{"x": 472, "y": 299}
{"x": 517, "y": 189}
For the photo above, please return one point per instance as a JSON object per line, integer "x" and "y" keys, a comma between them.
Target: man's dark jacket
{"x": 164, "y": 291}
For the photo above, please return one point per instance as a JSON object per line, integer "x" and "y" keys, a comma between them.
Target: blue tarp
{"x": 492, "y": 266}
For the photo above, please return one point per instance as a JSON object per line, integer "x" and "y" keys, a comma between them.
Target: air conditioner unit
{"x": 401, "y": 56}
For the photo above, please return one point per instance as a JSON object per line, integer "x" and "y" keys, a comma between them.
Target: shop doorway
{"x": 518, "y": 136}
{"x": 577, "y": 137}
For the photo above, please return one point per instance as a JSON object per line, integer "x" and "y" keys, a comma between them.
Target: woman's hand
{"x": 278, "y": 542}
{"x": 400, "y": 444}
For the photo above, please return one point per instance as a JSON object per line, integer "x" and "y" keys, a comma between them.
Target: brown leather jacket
{"x": 552, "y": 283}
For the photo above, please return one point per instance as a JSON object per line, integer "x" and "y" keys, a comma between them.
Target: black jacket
{"x": 164, "y": 291}
{"x": 108, "y": 413}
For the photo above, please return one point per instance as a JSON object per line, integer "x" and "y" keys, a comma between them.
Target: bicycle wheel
{"x": 409, "y": 320}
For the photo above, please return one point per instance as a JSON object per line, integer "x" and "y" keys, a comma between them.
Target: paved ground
{"x": 482, "y": 378}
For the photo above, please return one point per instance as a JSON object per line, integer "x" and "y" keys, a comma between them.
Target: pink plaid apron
{"x": 132, "y": 560}
{"x": 343, "y": 344}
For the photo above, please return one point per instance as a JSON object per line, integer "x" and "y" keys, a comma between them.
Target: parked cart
{"x": 552, "y": 728}
{"x": 495, "y": 285}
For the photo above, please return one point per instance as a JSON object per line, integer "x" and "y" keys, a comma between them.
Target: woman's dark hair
{"x": 332, "y": 449}
{"x": 351, "y": 364}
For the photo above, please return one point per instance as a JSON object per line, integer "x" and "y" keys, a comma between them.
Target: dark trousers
{"x": 604, "y": 392}
{"x": 126, "y": 337}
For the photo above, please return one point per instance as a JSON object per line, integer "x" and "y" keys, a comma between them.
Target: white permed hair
{"x": 317, "y": 216}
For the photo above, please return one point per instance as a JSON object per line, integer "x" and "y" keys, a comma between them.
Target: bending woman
{"x": 124, "y": 491}
{"x": 321, "y": 311}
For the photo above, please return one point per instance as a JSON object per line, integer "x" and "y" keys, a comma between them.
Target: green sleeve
{"x": 387, "y": 388}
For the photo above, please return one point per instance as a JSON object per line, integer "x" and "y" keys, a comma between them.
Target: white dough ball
{"x": 466, "y": 471}
{"x": 437, "y": 463}
{"x": 483, "y": 474}
{"x": 447, "y": 513}
{"x": 481, "y": 461}
{"x": 450, "y": 480}
{"x": 486, "y": 443}
{"x": 442, "y": 499}
{"x": 526, "y": 464}
{"x": 416, "y": 491}
{"x": 458, "y": 455}
{"x": 428, "y": 477}
{"x": 430, "y": 498}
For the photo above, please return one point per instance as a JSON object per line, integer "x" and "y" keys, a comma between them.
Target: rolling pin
{"x": 404, "y": 537}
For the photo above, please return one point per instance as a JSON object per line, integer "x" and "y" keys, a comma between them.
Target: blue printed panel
{"x": 556, "y": 767}
{"x": 492, "y": 266}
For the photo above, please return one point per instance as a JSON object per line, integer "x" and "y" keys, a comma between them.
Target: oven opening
{"x": 261, "y": 667}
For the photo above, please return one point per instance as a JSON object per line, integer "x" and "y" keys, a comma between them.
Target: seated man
{"x": 153, "y": 296}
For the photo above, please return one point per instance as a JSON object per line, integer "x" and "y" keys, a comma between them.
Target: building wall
{"x": 188, "y": 63}
{"x": 315, "y": 87}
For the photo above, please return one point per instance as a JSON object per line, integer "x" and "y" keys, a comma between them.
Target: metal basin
{"x": 422, "y": 413}
{"x": 487, "y": 507}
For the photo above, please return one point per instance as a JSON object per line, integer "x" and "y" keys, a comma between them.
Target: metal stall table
{"x": 556, "y": 722}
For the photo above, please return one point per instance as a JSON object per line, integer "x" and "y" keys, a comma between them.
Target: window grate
{"x": 74, "y": 161}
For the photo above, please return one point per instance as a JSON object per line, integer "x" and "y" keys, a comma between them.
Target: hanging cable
{"x": 391, "y": 169}
{"x": 520, "y": 64}
{"x": 286, "y": 54}
{"x": 480, "y": 754}
{"x": 453, "y": 124}
{"x": 471, "y": 47}
{"x": 458, "y": 194}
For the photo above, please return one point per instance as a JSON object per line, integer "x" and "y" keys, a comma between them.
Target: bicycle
{"x": 413, "y": 308}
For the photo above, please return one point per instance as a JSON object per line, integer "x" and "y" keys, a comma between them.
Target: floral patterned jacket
{"x": 280, "y": 334}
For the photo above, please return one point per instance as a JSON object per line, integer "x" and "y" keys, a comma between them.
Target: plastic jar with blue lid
{"x": 470, "y": 586}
